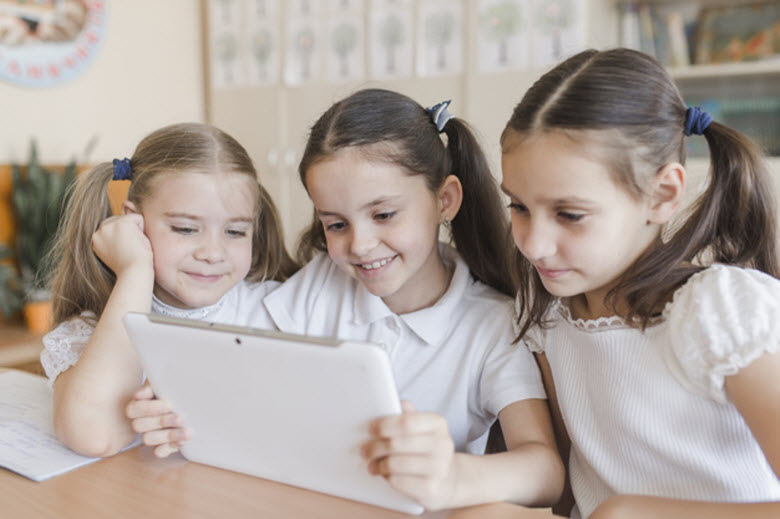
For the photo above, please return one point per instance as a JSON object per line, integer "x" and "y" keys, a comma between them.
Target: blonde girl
{"x": 198, "y": 238}
{"x": 658, "y": 343}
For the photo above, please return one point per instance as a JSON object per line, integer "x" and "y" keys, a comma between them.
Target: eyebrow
{"x": 373, "y": 203}
{"x": 194, "y": 217}
{"x": 569, "y": 200}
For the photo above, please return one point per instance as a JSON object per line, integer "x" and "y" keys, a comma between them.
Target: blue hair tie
{"x": 696, "y": 121}
{"x": 122, "y": 169}
{"x": 439, "y": 114}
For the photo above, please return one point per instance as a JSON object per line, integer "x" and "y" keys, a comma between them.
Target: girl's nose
{"x": 535, "y": 241}
{"x": 363, "y": 241}
{"x": 210, "y": 249}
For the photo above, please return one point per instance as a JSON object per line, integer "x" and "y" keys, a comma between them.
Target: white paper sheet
{"x": 28, "y": 445}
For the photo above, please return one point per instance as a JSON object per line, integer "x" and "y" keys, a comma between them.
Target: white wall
{"x": 148, "y": 73}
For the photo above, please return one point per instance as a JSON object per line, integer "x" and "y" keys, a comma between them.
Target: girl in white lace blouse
{"x": 194, "y": 200}
{"x": 658, "y": 344}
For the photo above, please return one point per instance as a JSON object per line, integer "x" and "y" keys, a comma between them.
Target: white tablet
{"x": 289, "y": 408}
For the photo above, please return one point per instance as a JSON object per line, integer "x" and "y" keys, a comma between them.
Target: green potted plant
{"x": 10, "y": 286}
{"x": 38, "y": 196}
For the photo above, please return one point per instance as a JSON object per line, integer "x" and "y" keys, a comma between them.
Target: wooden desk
{"x": 19, "y": 348}
{"x": 136, "y": 484}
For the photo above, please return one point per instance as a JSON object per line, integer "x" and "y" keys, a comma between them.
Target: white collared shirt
{"x": 455, "y": 358}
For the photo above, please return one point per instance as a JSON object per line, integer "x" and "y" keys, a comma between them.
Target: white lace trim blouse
{"x": 240, "y": 306}
{"x": 647, "y": 412}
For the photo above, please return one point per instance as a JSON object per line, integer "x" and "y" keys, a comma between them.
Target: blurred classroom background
{"x": 87, "y": 79}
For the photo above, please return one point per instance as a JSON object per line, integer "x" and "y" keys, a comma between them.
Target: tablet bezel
{"x": 357, "y": 373}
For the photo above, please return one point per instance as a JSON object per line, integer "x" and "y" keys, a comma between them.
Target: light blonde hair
{"x": 80, "y": 282}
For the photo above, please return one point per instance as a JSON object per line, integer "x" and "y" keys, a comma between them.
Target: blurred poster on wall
{"x": 391, "y": 39}
{"x": 345, "y": 57}
{"x": 558, "y": 30}
{"x": 48, "y": 42}
{"x": 226, "y": 65}
{"x": 303, "y": 54}
{"x": 439, "y": 38}
{"x": 263, "y": 41}
{"x": 502, "y": 35}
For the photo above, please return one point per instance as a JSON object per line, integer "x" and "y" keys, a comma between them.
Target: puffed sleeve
{"x": 720, "y": 321}
{"x": 63, "y": 346}
{"x": 533, "y": 341}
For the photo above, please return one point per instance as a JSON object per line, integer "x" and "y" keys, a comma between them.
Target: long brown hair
{"x": 390, "y": 127}
{"x": 81, "y": 282}
{"x": 630, "y": 97}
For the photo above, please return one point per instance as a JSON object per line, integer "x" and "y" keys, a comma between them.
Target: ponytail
{"x": 79, "y": 281}
{"x": 480, "y": 230}
{"x": 740, "y": 200}
{"x": 270, "y": 259}
{"x": 732, "y": 222}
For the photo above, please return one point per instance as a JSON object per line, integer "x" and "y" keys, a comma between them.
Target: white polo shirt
{"x": 455, "y": 358}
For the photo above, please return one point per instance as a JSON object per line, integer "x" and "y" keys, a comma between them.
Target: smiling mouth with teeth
{"x": 376, "y": 264}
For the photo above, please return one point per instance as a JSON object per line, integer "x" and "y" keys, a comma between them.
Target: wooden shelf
{"x": 750, "y": 68}
{"x": 18, "y": 347}
{"x": 702, "y": 3}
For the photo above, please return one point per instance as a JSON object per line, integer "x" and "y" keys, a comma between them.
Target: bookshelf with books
{"x": 723, "y": 54}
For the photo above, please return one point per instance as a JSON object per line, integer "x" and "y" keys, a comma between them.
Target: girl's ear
{"x": 449, "y": 197}
{"x": 668, "y": 191}
{"x": 129, "y": 208}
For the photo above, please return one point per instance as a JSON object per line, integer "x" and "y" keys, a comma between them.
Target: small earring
{"x": 447, "y": 223}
